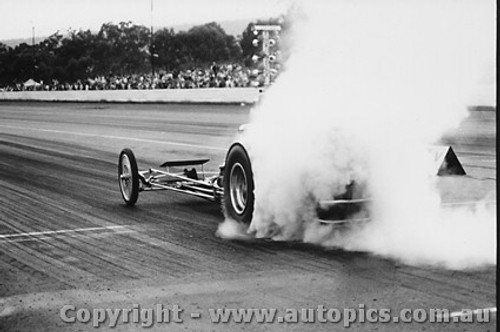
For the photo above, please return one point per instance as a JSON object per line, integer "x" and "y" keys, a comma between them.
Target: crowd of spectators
{"x": 216, "y": 76}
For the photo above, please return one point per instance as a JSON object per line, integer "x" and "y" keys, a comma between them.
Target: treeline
{"x": 122, "y": 49}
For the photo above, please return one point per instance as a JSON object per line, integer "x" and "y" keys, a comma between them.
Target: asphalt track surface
{"x": 67, "y": 237}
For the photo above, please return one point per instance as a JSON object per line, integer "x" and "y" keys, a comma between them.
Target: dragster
{"x": 233, "y": 185}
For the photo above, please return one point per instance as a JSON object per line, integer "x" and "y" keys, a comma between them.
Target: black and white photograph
{"x": 324, "y": 165}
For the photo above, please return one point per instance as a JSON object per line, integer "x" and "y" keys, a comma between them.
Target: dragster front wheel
{"x": 238, "y": 185}
{"x": 128, "y": 177}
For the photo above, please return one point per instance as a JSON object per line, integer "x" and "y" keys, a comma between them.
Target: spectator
{"x": 215, "y": 76}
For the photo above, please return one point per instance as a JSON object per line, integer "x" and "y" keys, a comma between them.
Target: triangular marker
{"x": 446, "y": 161}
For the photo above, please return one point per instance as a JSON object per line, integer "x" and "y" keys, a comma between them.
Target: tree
{"x": 5, "y": 64}
{"x": 168, "y": 48}
{"x": 122, "y": 49}
{"x": 46, "y": 58}
{"x": 74, "y": 56}
{"x": 209, "y": 42}
{"x": 22, "y": 63}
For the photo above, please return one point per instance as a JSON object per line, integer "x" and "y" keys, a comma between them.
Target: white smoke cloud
{"x": 368, "y": 85}
{"x": 231, "y": 229}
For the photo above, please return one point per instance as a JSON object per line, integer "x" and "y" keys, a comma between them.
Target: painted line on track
{"x": 62, "y": 231}
{"x": 57, "y": 236}
{"x": 134, "y": 139}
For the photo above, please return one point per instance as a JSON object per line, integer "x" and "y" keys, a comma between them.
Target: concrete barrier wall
{"x": 210, "y": 95}
{"x": 484, "y": 96}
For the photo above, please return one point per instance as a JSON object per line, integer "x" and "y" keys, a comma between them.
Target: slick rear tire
{"x": 238, "y": 202}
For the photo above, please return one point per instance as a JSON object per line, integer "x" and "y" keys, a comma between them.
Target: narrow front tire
{"x": 128, "y": 177}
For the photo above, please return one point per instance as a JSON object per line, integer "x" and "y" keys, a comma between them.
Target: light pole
{"x": 151, "y": 45}
{"x": 33, "y": 51}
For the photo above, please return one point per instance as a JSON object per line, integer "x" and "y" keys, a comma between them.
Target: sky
{"x": 18, "y": 17}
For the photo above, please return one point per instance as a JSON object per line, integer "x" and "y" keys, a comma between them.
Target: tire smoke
{"x": 368, "y": 86}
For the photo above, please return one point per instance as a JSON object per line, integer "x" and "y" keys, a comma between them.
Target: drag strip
{"x": 142, "y": 140}
{"x": 67, "y": 238}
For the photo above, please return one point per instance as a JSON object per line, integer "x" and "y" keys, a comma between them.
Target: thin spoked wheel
{"x": 128, "y": 177}
{"x": 238, "y": 185}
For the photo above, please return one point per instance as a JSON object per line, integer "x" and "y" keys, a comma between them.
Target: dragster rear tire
{"x": 238, "y": 202}
{"x": 128, "y": 177}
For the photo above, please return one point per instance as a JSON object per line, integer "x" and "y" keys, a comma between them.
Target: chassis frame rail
{"x": 154, "y": 179}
